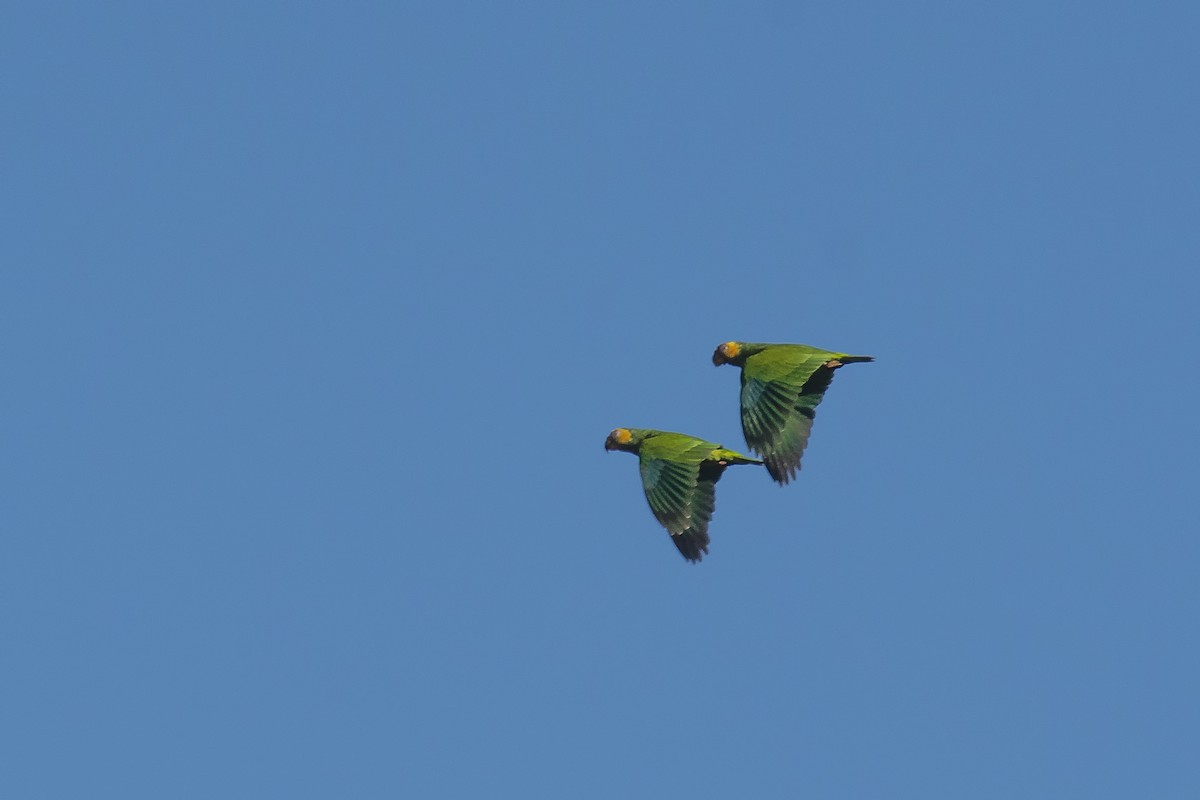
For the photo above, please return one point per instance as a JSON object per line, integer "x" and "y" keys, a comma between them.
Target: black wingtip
{"x": 692, "y": 545}
{"x": 781, "y": 471}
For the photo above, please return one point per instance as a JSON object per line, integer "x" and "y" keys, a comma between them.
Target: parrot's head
{"x": 620, "y": 439}
{"x": 726, "y": 353}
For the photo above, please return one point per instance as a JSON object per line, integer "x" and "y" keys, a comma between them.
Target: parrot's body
{"x": 782, "y": 384}
{"x": 679, "y": 475}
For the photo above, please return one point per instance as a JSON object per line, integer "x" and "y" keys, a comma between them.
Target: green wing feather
{"x": 679, "y": 475}
{"x": 781, "y": 389}
{"x": 669, "y": 482}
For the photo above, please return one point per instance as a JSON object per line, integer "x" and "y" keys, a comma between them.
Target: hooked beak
{"x": 718, "y": 357}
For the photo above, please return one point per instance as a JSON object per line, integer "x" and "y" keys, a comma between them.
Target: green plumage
{"x": 679, "y": 475}
{"x": 782, "y": 385}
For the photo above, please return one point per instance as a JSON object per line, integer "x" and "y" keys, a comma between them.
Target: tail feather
{"x": 731, "y": 457}
{"x": 856, "y": 359}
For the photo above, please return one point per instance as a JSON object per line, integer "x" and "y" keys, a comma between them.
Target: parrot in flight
{"x": 679, "y": 475}
{"x": 782, "y": 385}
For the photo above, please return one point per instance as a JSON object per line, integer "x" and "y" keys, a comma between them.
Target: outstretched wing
{"x": 679, "y": 486}
{"x": 781, "y": 390}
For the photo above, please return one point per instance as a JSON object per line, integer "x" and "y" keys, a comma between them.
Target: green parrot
{"x": 782, "y": 385}
{"x": 679, "y": 474}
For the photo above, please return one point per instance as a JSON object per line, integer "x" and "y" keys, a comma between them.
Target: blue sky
{"x": 315, "y": 318}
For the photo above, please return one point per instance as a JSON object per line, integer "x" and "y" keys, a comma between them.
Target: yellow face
{"x": 618, "y": 437}
{"x": 726, "y": 352}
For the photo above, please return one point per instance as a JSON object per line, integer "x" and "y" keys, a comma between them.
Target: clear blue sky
{"x": 315, "y": 316}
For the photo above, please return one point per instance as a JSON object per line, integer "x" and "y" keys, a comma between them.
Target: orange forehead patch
{"x": 730, "y": 349}
{"x": 621, "y": 435}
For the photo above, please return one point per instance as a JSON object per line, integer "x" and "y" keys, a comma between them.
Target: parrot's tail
{"x": 731, "y": 457}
